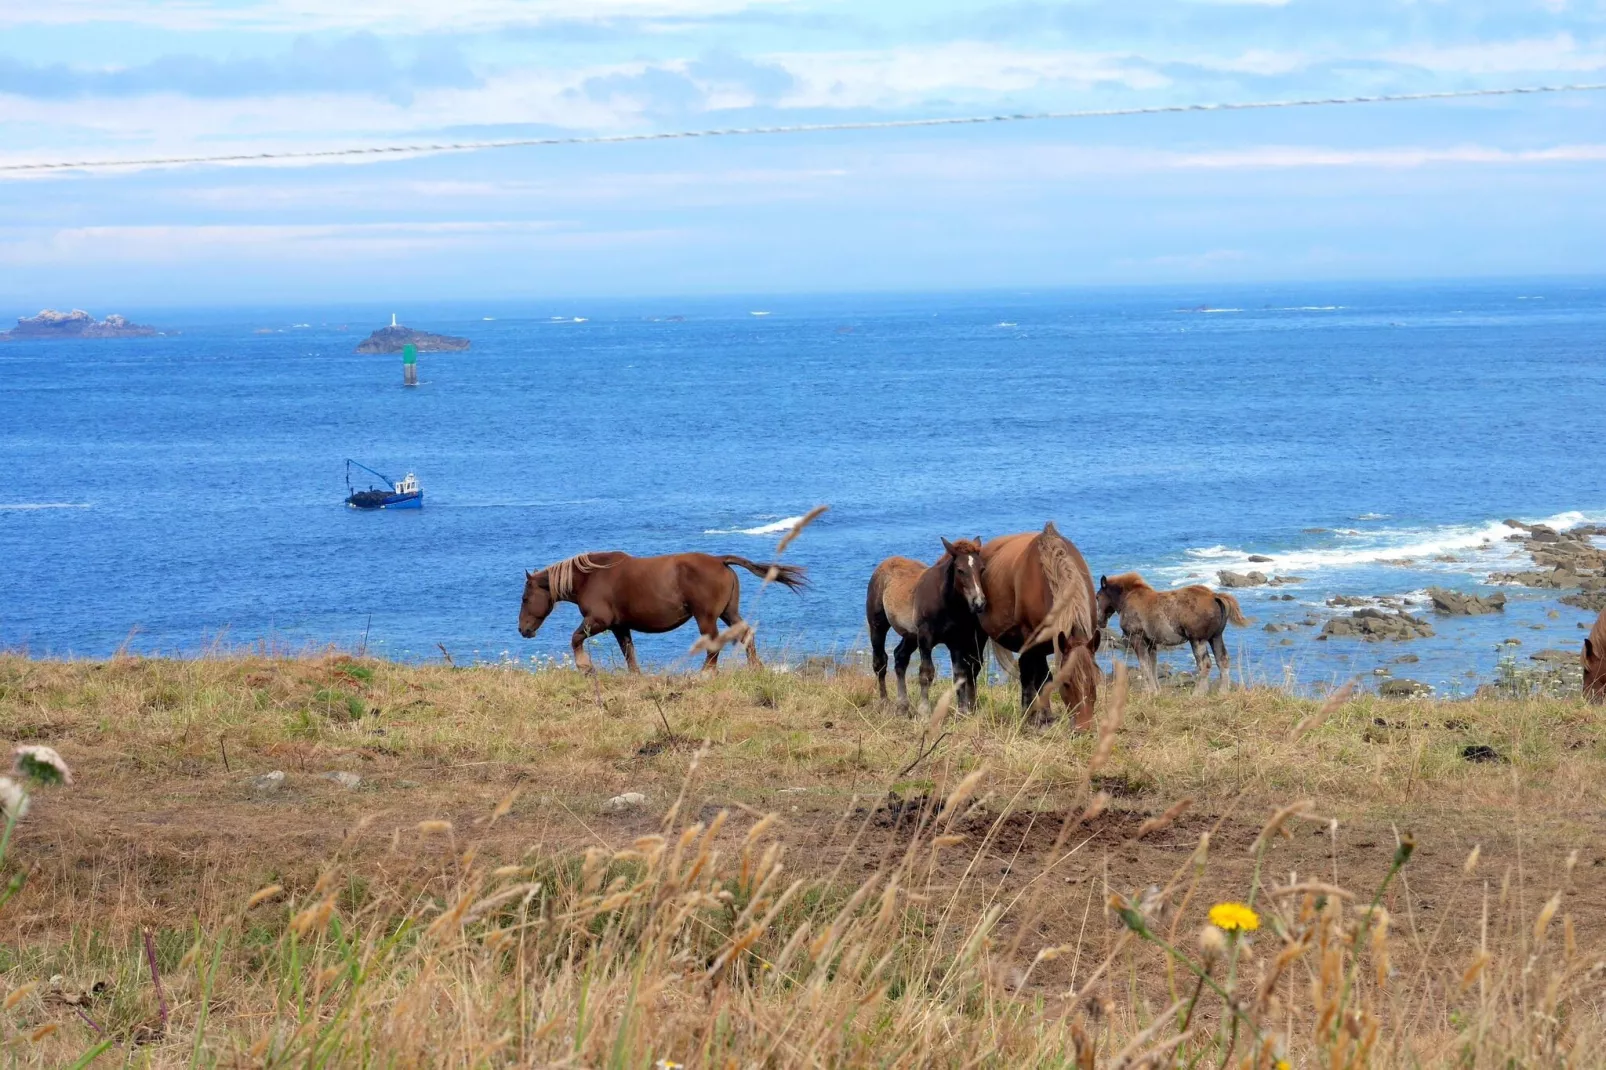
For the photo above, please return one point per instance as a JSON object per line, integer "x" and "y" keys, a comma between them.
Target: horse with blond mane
{"x": 619, "y": 593}
{"x": 1151, "y": 619}
{"x": 1040, "y": 601}
{"x": 928, "y": 607}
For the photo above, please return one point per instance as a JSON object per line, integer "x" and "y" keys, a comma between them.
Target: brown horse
{"x": 1152, "y": 619}
{"x": 1040, "y": 600}
{"x": 618, "y": 593}
{"x": 1595, "y": 661}
{"x": 928, "y": 607}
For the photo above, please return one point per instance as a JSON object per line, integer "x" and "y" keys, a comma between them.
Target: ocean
{"x": 184, "y": 493}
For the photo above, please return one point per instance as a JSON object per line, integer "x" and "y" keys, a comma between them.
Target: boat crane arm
{"x": 349, "y": 462}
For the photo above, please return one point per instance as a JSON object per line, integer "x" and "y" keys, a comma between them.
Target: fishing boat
{"x": 404, "y": 493}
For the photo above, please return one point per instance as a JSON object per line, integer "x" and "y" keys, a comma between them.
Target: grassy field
{"x": 810, "y": 878}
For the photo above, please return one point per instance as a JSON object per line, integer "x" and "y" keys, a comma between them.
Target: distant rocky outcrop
{"x": 391, "y": 340}
{"x": 1239, "y": 579}
{"x": 76, "y": 324}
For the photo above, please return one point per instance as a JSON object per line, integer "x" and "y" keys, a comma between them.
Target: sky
{"x": 1496, "y": 187}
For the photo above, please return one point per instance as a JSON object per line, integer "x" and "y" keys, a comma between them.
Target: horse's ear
{"x": 946, "y": 545}
{"x": 978, "y": 540}
{"x": 529, "y": 575}
{"x": 1104, "y": 581}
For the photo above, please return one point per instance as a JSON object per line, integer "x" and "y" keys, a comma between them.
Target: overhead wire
{"x": 423, "y": 148}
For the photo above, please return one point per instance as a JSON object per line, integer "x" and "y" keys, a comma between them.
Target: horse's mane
{"x": 1128, "y": 581}
{"x": 560, "y": 576}
{"x": 1070, "y": 612}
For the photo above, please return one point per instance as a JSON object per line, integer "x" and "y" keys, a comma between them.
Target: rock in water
{"x": 391, "y": 340}
{"x": 1456, "y": 604}
{"x": 1374, "y": 626}
{"x": 1403, "y": 688}
{"x": 76, "y": 324}
{"x": 1239, "y": 579}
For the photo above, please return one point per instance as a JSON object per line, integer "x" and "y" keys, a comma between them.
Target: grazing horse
{"x": 1595, "y": 661}
{"x": 1040, "y": 600}
{"x": 927, "y": 607}
{"x": 1152, "y": 619}
{"x": 618, "y": 593}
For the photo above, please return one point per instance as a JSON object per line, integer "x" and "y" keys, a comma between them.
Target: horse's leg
{"x": 1149, "y": 659}
{"x": 928, "y": 672}
{"x": 732, "y": 616}
{"x": 1201, "y": 661}
{"x": 968, "y": 654}
{"x": 627, "y": 646}
{"x": 709, "y": 626}
{"x": 878, "y": 656}
{"x": 577, "y": 643}
{"x": 1218, "y": 643}
{"x": 900, "y": 661}
{"x": 1033, "y": 675}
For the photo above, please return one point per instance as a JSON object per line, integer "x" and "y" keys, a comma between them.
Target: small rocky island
{"x": 75, "y": 324}
{"x": 391, "y": 340}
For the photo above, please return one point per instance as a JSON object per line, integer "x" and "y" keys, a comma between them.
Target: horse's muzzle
{"x": 978, "y": 605}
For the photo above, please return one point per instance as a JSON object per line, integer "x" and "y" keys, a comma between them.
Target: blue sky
{"x": 1492, "y": 187}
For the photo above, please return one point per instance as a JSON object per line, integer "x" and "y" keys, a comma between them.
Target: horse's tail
{"x": 1070, "y": 587}
{"x": 793, "y": 576}
{"x": 1229, "y": 608}
{"x": 1006, "y": 661}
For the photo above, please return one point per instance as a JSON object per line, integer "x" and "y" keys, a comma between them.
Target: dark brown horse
{"x": 618, "y": 593}
{"x": 1152, "y": 619}
{"x": 928, "y": 607}
{"x": 1040, "y": 600}
{"x": 1595, "y": 661}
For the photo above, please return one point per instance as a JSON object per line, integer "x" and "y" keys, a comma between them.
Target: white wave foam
{"x": 1479, "y": 547}
{"x": 32, "y": 506}
{"x": 773, "y": 528}
{"x": 1373, "y": 516}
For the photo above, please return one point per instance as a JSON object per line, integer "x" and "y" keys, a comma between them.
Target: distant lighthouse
{"x": 393, "y": 319}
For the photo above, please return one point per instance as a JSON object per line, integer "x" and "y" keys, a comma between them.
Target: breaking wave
{"x": 1476, "y": 547}
{"x": 31, "y": 506}
{"x": 775, "y": 527}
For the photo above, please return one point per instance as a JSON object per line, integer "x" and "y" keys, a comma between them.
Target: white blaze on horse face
{"x": 977, "y": 598}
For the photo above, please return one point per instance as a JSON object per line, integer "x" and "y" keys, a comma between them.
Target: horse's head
{"x": 537, "y": 604}
{"x": 1594, "y": 669}
{"x": 965, "y": 556}
{"x": 1109, "y": 600}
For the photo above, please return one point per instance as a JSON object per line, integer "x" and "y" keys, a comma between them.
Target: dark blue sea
{"x": 184, "y": 492}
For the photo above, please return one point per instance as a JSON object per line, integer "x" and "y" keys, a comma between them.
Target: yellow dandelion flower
{"x": 1234, "y": 917}
{"x": 1281, "y": 1064}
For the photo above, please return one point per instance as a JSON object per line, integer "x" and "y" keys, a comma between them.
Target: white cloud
{"x": 305, "y": 16}
{"x": 1558, "y": 53}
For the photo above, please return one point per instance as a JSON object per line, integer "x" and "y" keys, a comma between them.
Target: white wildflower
{"x": 13, "y": 799}
{"x": 41, "y": 763}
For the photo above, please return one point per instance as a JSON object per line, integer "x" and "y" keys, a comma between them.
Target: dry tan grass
{"x": 474, "y": 903}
